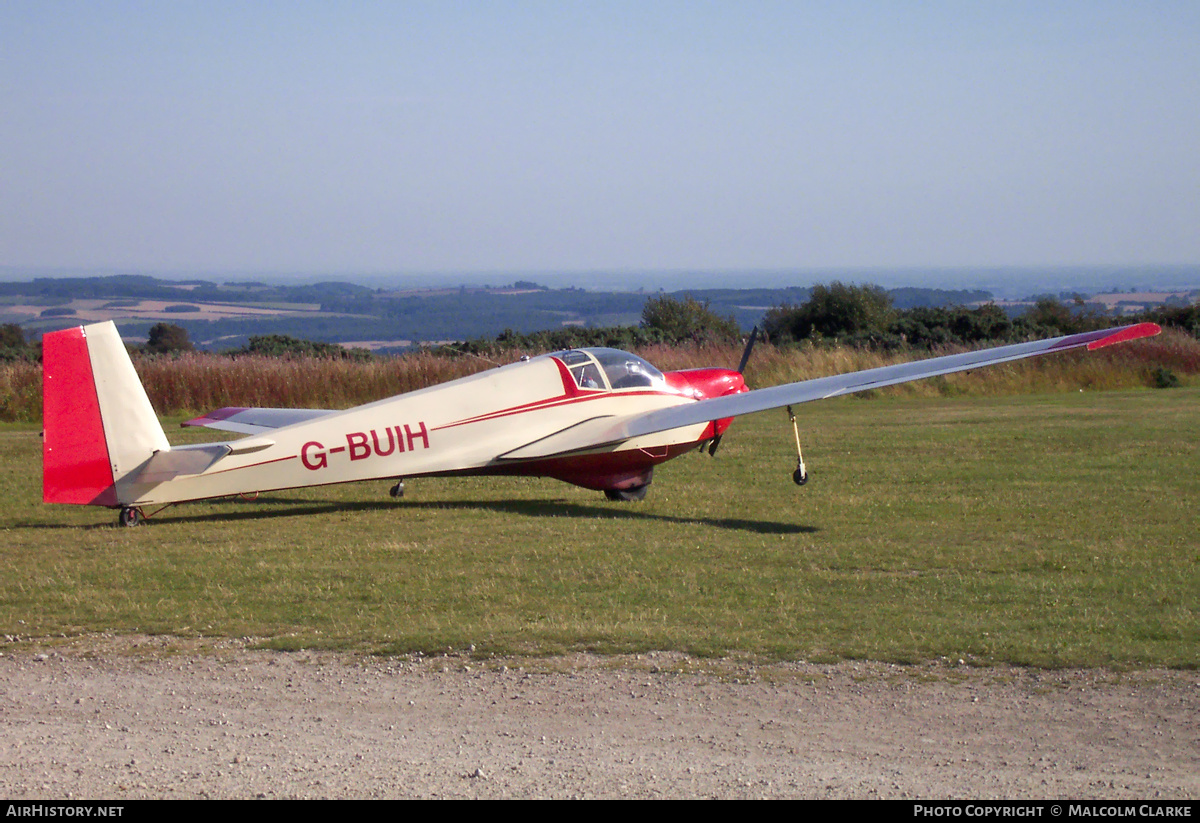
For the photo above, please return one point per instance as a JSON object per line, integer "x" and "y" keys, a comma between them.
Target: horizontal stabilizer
{"x": 171, "y": 463}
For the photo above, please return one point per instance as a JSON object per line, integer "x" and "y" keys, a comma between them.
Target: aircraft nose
{"x": 706, "y": 383}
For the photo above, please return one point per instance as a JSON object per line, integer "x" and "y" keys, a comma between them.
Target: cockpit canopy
{"x": 599, "y": 368}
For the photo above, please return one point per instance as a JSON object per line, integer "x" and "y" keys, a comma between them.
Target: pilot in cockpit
{"x": 588, "y": 377}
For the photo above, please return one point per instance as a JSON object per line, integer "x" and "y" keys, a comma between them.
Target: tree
{"x": 282, "y": 345}
{"x": 166, "y": 338}
{"x": 1048, "y": 313}
{"x": 12, "y": 336}
{"x": 687, "y": 319}
{"x": 13, "y": 345}
{"x": 836, "y": 310}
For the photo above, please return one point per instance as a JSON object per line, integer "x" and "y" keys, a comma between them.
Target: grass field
{"x": 1053, "y": 530}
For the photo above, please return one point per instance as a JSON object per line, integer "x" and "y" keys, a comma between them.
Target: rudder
{"x": 98, "y": 423}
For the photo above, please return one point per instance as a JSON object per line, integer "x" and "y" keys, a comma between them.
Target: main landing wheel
{"x": 131, "y": 516}
{"x": 627, "y": 495}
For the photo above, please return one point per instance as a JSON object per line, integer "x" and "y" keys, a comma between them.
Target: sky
{"x": 576, "y": 136}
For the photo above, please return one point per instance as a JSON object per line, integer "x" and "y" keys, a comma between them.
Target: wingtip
{"x": 214, "y": 416}
{"x": 1127, "y": 333}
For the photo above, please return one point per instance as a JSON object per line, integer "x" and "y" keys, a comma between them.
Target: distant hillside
{"x": 225, "y": 315}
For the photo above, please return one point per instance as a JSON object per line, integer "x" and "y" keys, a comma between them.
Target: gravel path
{"x": 146, "y": 718}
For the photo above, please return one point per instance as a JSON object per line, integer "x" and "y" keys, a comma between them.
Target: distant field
{"x": 94, "y": 311}
{"x": 1055, "y": 530}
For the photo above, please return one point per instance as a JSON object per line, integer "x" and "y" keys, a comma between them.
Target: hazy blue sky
{"x": 417, "y": 136}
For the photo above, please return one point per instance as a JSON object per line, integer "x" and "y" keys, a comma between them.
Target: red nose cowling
{"x": 704, "y": 384}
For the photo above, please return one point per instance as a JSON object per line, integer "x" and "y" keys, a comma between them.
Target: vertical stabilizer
{"x": 98, "y": 423}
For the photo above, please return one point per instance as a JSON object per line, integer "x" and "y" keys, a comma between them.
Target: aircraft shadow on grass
{"x": 275, "y": 507}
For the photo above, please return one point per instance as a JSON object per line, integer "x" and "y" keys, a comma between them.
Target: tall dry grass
{"x": 202, "y": 382}
{"x": 1129, "y": 365}
{"x": 20, "y": 391}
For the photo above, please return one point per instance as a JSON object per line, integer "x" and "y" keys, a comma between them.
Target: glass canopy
{"x": 599, "y": 368}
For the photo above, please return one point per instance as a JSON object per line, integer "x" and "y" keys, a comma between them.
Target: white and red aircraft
{"x": 597, "y": 418}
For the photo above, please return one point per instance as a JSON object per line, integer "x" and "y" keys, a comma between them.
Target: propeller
{"x": 716, "y": 441}
{"x": 746, "y": 352}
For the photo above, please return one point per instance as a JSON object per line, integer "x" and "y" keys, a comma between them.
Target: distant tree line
{"x": 281, "y": 345}
{"x": 665, "y": 319}
{"x": 342, "y": 312}
{"x": 167, "y": 338}
{"x": 837, "y": 313}
{"x": 864, "y": 316}
{"x": 854, "y": 315}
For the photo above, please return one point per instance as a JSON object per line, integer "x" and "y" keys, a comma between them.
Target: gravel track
{"x": 154, "y": 718}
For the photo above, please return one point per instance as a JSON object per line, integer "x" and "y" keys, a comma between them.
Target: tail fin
{"x": 99, "y": 424}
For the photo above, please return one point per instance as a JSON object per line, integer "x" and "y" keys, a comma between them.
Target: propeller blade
{"x": 746, "y": 354}
{"x": 716, "y": 441}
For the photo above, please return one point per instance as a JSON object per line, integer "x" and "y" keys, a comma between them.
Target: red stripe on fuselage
{"x": 536, "y": 405}
{"x": 572, "y": 393}
{"x": 253, "y": 465}
{"x": 550, "y": 403}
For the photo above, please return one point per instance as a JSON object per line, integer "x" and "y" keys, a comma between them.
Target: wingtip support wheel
{"x": 131, "y": 516}
{"x": 397, "y": 490}
{"x": 800, "y": 475}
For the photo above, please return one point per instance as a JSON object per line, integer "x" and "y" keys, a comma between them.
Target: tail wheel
{"x": 131, "y": 516}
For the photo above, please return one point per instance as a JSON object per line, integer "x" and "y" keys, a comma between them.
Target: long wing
{"x": 599, "y": 432}
{"x": 254, "y": 421}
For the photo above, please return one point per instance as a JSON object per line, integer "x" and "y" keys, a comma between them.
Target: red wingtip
{"x": 214, "y": 416}
{"x": 1127, "y": 333}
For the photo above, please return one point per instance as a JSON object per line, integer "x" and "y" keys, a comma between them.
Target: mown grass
{"x": 1052, "y": 530}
